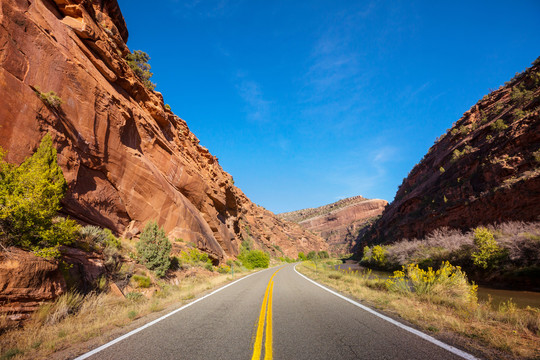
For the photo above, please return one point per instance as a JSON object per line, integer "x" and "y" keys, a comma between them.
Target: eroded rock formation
{"x": 127, "y": 159}
{"x": 485, "y": 169}
{"x": 339, "y": 223}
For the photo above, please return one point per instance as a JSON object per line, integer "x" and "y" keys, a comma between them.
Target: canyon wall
{"x": 485, "y": 169}
{"x": 339, "y": 223}
{"x": 126, "y": 157}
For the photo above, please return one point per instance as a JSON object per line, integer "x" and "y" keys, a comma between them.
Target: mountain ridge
{"x": 485, "y": 169}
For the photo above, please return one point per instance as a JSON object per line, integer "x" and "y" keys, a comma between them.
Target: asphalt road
{"x": 286, "y": 317}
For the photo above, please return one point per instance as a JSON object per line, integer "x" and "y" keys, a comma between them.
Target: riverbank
{"x": 504, "y": 333}
{"x": 496, "y": 296}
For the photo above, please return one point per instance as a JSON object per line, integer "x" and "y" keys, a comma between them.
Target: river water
{"x": 522, "y": 299}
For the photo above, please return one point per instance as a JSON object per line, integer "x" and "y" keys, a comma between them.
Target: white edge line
{"x": 424, "y": 336}
{"x": 133, "y": 332}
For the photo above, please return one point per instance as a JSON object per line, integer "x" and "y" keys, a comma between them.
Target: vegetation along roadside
{"x": 442, "y": 303}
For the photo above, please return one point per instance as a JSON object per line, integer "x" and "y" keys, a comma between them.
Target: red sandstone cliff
{"x": 485, "y": 169}
{"x": 126, "y": 158}
{"x": 338, "y": 223}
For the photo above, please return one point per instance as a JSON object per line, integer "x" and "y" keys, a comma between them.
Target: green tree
{"x": 301, "y": 256}
{"x": 30, "y": 197}
{"x": 154, "y": 249}
{"x": 138, "y": 62}
{"x": 311, "y": 255}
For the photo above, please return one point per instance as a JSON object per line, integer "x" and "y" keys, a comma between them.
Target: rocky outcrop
{"x": 485, "y": 169}
{"x": 339, "y": 223}
{"x": 126, "y": 157}
{"x": 27, "y": 280}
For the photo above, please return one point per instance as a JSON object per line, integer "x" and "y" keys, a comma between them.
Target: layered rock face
{"x": 485, "y": 169}
{"x": 338, "y": 223}
{"x": 127, "y": 159}
{"x": 26, "y": 280}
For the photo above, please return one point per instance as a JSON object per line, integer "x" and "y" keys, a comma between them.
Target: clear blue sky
{"x": 307, "y": 102}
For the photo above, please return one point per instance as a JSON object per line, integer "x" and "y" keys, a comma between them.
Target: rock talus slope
{"x": 127, "y": 159}
{"x": 485, "y": 169}
{"x": 338, "y": 223}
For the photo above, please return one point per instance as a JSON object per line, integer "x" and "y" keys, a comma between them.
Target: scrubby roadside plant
{"x": 255, "y": 259}
{"x": 301, "y": 256}
{"x": 376, "y": 256}
{"x": 30, "y": 197}
{"x": 323, "y": 254}
{"x": 138, "y": 62}
{"x": 154, "y": 249}
{"x": 448, "y": 281}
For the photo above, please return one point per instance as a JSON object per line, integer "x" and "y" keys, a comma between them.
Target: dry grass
{"x": 73, "y": 319}
{"x": 507, "y": 332}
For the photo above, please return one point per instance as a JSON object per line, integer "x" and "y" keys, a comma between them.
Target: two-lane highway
{"x": 276, "y": 313}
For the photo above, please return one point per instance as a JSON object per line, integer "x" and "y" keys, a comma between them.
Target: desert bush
{"x": 154, "y": 249}
{"x": 134, "y": 296}
{"x": 498, "y": 125}
{"x": 141, "y": 281}
{"x": 54, "y": 312}
{"x": 447, "y": 281}
{"x": 301, "y": 256}
{"x": 457, "y": 153}
{"x": 311, "y": 255}
{"x": 50, "y": 98}
{"x": 323, "y": 254}
{"x": 255, "y": 259}
{"x": 223, "y": 269}
{"x": 138, "y": 62}
{"x": 488, "y": 250}
{"x": 30, "y": 197}
{"x": 195, "y": 257}
{"x": 94, "y": 235}
{"x": 376, "y": 256}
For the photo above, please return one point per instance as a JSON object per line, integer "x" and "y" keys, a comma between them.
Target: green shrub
{"x": 254, "y": 259}
{"x": 311, "y": 255}
{"x": 141, "y": 281}
{"x": 301, "y": 256}
{"x": 50, "y": 98}
{"x": 379, "y": 255}
{"x": 154, "y": 249}
{"x": 30, "y": 197}
{"x": 464, "y": 130}
{"x": 488, "y": 250}
{"x": 520, "y": 94}
{"x": 376, "y": 256}
{"x": 134, "y": 296}
{"x": 223, "y": 269}
{"x": 457, "y": 154}
{"x": 323, "y": 254}
{"x": 132, "y": 314}
{"x": 448, "y": 282}
{"x": 167, "y": 107}
{"x": 138, "y": 62}
{"x": 195, "y": 257}
{"x": 536, "y": 156}
{"x": 95, "y": 235}
{"x": 498, "y": 125}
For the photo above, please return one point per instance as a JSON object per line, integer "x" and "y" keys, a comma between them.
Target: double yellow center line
{"x": 266, "y": 312}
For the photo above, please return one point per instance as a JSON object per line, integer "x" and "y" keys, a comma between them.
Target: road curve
{"x": 278, "y": 314}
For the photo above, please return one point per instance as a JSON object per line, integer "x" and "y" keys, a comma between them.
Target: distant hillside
{"x": 484, "y": 169}
{"x": 338, "y": 223}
